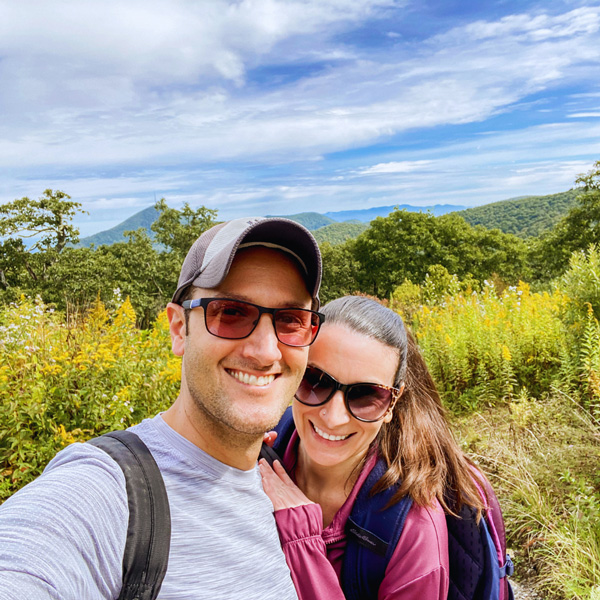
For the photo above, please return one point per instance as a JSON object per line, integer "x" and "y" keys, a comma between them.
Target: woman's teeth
{"x": 332, "y": 438}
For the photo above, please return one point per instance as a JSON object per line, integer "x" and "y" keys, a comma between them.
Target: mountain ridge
{"x": 524, "y": 216}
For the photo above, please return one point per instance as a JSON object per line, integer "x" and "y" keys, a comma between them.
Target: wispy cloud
{"x": 272, "y": 103}
{"x": 395, "y": 167}
{"x": 584, "y": 115}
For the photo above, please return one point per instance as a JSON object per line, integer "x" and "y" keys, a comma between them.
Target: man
{"x": 63, "y": 535}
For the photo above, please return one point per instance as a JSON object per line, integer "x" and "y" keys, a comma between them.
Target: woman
{"x": 342, "y": 429}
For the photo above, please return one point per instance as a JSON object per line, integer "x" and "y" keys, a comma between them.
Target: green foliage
{"x": 482, "y": 347}
{"x": 47, "y": 222}
{"x": 394, "y": 248}
{"x": 576, "y": 231}
{"x": 580, "y": 367}
{"x": 146, "y": 276}
{"x": 523, "y": 217}
{"x": 337, "y": 233}
{"x": 177, "y": 230}
{"x": 406, "y": 300}
{"x": 438, "y": 285}
{"x": 339, "y": 271}
{"x": 66, "y": 380}
{"x": 589, "y": 359}
{"x": 581, "y": 283}
{"x": 406, "y": 245}
{"x": 132, "y": 267}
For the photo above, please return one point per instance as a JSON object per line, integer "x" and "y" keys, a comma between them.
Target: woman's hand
{"x": 269, "y": 438}
{"x": 282, "y": 491}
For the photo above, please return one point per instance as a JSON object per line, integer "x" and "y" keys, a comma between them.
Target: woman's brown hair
{"x": 417, "y": 444}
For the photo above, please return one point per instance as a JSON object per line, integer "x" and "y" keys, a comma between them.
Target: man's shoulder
{"x": 80, "y": 477}
{"x": 85, "y": 460}
{"x": 66, "y": 530}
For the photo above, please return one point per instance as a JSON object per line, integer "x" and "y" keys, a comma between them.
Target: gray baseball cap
{"x": 209, "y": 259}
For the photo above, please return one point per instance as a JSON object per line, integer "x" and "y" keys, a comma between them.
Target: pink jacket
{"x": 418, "y": 569}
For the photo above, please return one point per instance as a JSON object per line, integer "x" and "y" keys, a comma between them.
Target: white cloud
{"x": 532, "y": 28}
{"x": 159, "y": 42}
{"x": 395, "y": 167}
{"x": 160, "y": 95}
{"x": 122, "y": 102}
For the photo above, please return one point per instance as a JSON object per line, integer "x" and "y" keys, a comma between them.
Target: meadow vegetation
{"x": 519, "y": 372}
{"x": 84, "y": 349}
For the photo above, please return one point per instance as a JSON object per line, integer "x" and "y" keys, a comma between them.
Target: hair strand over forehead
{"x": 370, "y": 318}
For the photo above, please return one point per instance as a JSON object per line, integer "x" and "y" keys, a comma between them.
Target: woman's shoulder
{"x": 426, "y": 525}
{"x": 419, "y": 565}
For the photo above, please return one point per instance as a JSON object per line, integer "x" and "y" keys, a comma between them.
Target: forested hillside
{"x": 310, "y": 220}
{"x": 336, "y": 233}
{"x": 524, "y": 217}
{"x": 143, "y": 219}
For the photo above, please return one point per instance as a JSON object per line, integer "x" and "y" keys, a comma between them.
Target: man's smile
{"x": 251, "y": 379}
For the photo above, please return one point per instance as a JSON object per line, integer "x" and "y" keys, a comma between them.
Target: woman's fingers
{"x": 280, "y": 489}
{"x": 269, "y": 438}
{"x": 282, "y": 473}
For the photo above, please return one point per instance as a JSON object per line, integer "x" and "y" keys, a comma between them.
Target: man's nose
{"x": 262, "y": 344}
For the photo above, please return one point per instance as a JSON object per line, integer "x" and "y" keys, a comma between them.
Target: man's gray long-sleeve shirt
{"x": 63, "y": 536}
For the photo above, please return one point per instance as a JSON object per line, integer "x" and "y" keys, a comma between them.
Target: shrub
{"x": 69, "y": 380}
{"x": 483, "y": 347}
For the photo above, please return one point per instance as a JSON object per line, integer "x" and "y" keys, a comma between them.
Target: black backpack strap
{"x": 285, "y": 428}
{"x": 149, "y": 531}
{"x": 372, "y": 533}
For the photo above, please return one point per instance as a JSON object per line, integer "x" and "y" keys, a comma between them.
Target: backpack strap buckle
{"x": 508, "y": 568}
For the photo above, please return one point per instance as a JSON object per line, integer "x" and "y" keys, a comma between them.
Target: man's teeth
{"x": 252, "y": 379}
{"x": 333, "y": 438}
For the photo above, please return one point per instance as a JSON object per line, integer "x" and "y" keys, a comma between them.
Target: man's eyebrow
{"x": 242, "y": 298}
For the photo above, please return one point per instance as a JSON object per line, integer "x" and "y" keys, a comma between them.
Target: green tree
{"x": 47, "y": 221}
{"x": 478, "y": 252}
{"x": 177, "y": 230}
{"x": 405, "y": 245}
{"x": 144, "y": 274}
{"x": 82, "y": 275}
{"x": 576, "y": 231}
{"x": 339, "y": 271}
{"x": 394, "y": 248}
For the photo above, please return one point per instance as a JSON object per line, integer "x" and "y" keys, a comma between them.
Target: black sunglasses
{"x": 366, "y": 402}
{"x": 235, "y": 319}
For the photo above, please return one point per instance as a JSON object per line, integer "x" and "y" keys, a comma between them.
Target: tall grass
{"x": 541, "y": 456}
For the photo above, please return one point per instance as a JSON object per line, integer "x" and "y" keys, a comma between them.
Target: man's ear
{"x": 177, "y": 328}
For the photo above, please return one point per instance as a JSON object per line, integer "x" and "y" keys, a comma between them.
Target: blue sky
{"x": 260, "y": 107}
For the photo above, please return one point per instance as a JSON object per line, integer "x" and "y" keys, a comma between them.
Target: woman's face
{"x": 330, "y": 435}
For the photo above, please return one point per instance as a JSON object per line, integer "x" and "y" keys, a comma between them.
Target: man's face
{"x": 245, "y": 385}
